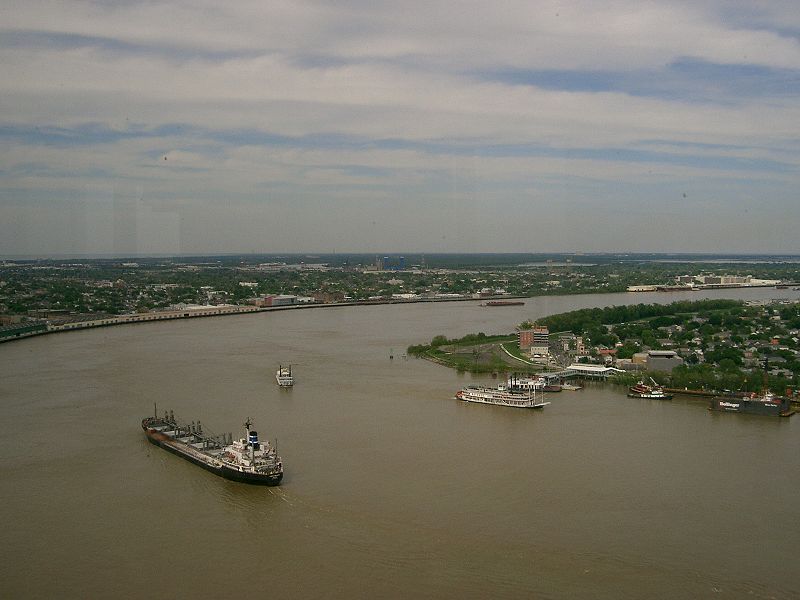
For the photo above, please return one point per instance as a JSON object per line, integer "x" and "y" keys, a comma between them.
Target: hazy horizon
{"x": 268, "y": 127}
{"x": 574, "y": 257}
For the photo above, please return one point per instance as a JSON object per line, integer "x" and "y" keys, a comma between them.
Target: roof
{"x": 594, "y": 369}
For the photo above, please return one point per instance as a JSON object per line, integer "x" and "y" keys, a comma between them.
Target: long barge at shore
{"x": 688, "y": 392}
{"x": 503, "y": 303}
{"x": 767, "y": 405}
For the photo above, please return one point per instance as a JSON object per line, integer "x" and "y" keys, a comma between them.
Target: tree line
{"x": 588, "y": 319}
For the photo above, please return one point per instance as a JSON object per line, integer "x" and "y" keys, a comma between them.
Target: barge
{"x": 768, "y": 405}
{"x": 246, "y": 460}
{"x": 503, "y": 303}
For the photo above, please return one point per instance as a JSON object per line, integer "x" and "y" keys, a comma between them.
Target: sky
{"x": 267, "y": 126}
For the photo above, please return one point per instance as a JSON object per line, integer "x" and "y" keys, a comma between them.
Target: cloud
{"x": 366, "y": 106}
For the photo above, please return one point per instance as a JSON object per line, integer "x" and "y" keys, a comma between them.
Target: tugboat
{"x": 651, "y": 392}
{"x": 284, "y": 376}
{"x": 246, "y": 460}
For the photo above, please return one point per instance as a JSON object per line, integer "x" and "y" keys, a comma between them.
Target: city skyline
{"x": 292, "y": 127}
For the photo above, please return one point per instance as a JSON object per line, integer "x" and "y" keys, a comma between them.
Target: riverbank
{"x": 28, "y": 329}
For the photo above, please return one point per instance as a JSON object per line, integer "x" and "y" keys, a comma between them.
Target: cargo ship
{"x": 500, "y": 396}
{"x": 767, "y": 404}
{"x": 650, "y": 392}
{"x": 246, "y": 460}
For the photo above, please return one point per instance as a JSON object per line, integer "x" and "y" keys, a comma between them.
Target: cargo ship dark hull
{"x": 209, "y": 463}
{"x": 777, "y": 407}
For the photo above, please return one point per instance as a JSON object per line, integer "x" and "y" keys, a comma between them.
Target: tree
{"x": 438, "y": 340}
{"x": 627, "y": 350}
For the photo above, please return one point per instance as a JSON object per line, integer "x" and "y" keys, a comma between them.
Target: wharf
{"x": 687, "y": 392}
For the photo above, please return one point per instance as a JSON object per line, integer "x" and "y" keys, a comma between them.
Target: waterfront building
{"x": 541, "y": 341}
{"x": 567, "y": 342}
{"x": 176, "y": 311}
{"x": 276, "y": 300}
{"x": 535, "y": 340}
{"x": 627, "y": 364}
{"x": 663, "y": 360}
{"x": 607, "y": 355}
{"x": 592, "y": 371}
{"x": 732, "y": 279}
{"x": 19, "y": 330}
{"x": 524, "y": 339}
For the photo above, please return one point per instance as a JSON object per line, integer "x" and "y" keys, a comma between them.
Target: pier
{"x": 580, "y": 370}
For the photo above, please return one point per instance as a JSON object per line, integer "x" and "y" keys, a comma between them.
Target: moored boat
{"x": 767, "y": 404}
{"x": 500, "y": 396}
{"x": 246, "y": 460}
{"x": 525, "y": 384}
{"x": 284, "y": 376}
{"x": 503, "y": 303}
{"x": 651, "y": 392}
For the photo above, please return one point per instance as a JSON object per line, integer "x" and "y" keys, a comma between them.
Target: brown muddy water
{"x": 392, "y": 488}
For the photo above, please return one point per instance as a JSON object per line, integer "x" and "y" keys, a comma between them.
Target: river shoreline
{"x": 212, "y": 311}
{"x": 227, "y": 310}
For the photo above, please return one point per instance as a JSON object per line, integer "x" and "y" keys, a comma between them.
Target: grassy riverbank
{"x": 477, "y": 353}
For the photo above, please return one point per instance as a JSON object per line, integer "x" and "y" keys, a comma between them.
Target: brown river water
{"x": 393, "y": 489}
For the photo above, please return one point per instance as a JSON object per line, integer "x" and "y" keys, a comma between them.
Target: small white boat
{"x": 570, "y": 387}
{"x": 284, "y": 376}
